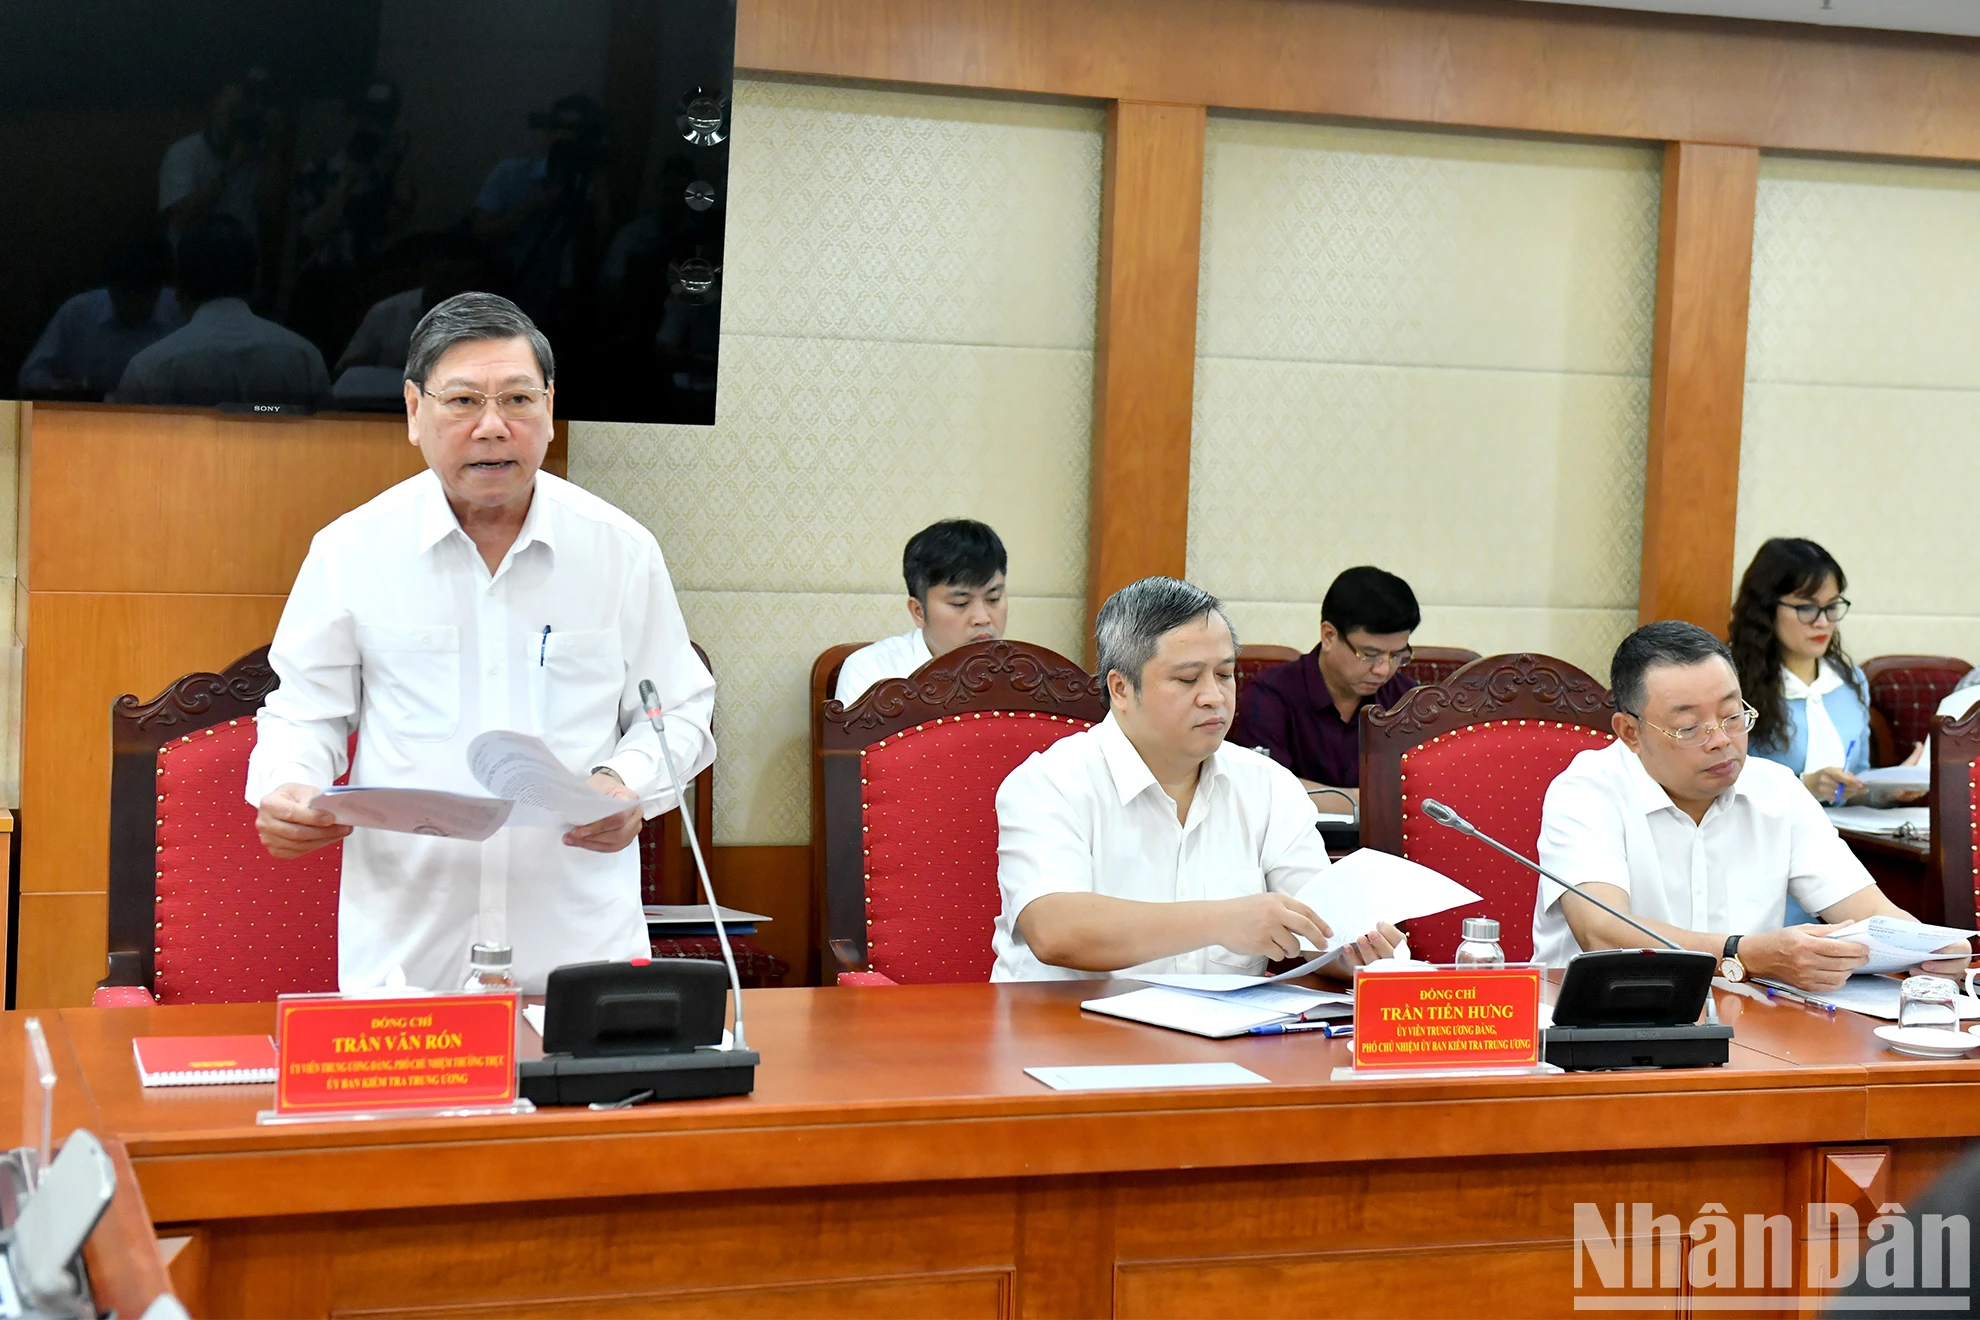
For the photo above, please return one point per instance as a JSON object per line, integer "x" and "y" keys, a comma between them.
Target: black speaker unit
{"x": 1636, "y": 1008}
{"x": 615, "y": 1030}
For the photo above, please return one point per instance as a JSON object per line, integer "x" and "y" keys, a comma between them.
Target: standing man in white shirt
{"x": 955, "y": 581}
{"x": 1147, "y": 844}
{"x": 1674, "y": 824}
{"x": 481, "y": 594}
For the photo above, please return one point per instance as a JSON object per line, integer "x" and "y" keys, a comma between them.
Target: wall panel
{"x": 1863, "y": 390}
{"x": 907, "y": 336}
{"x": 1429, "y": 352}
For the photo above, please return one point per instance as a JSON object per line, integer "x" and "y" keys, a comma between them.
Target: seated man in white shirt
{"x": 955, "y": 581}
{"x": 1674, "y": 824}
{"x": 1147, "y": 844}
{"x": 481, "y": 594}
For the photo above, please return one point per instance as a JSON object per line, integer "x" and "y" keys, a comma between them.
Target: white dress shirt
{"x": 1607, "y": 821}
{"x": 225, "y": 353}
{"x": 890, "y": 657}
{"x": 85, "y": 348}
{"x": 396, "y": 626}
{"x": 1086, "y": 816}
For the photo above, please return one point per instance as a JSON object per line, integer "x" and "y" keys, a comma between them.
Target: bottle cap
{"x": 500, "y": 955}
{"x": 1481, "y": 928}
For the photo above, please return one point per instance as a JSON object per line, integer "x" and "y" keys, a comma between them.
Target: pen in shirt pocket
{"x": 543, "y": 646}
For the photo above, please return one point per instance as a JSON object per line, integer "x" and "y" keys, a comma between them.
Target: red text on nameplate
{"x": 1457, "y": 1018}
{"x": 339, "y": 1056}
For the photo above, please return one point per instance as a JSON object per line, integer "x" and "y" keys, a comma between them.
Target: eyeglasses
{"x": 1833, "y": 611}
{"x": 1372, "y": 656}
{"x": 1732, "y": 726}
{"x": 516, "y": 403}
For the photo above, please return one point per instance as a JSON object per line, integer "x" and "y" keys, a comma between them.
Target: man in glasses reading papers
{"x": 1674, "y": 824}
{"x": 481, "y": 594}
{"x": 1147, "y": 844}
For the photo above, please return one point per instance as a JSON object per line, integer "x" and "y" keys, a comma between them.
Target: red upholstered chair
{"x": 911, "y": 772}
{"x": 1905, "y": 692}
{"x": 824, "y": 678}
{"x": 666, "y": 875}
{"x": 1434, "y": 664}
{"x": 1487, "y": 742}
{"x": 1255, "y": 658}
{"x": 1954, "y": 800}
{"x": 199, "y": 912}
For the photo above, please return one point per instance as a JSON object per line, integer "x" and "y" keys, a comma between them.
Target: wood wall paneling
{"x": 775, "y": 881}
{"x": 1697, "y": 383}
{"x": 1151, "y": 218}
{"x": 1491, "y": 64}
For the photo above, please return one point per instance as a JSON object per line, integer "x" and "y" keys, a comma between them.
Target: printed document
{"x": 1896, "y": 944}
{"x": 530, "y": 788}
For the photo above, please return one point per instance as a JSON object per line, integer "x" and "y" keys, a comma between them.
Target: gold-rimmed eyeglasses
{"x": 1833, "y": 611}
{"x": 516, "y": 403}
{"x": 1741, "y": 721}
{"x": 1375, "y": 655}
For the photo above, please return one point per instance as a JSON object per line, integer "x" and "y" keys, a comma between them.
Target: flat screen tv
{"x": 248, "y": 204}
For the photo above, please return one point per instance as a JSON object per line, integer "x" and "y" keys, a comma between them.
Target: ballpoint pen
{"x": 1849, "y": 752}
{"x": 1331, "y": 1030}
{"x": 1793, "y": 997}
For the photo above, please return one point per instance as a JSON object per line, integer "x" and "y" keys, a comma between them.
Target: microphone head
{"x": 650, "y": 695}
{"x": 1443, "y": 815}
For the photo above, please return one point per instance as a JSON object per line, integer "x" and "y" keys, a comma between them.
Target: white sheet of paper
{"x": 1899, "y": 776}
{"x": 519, "y": 767}
{"x": 414, "y": 811}
{"x": 1876, "y": 996}
{"x": 1140, "y": 1076}
{"x": 1368, "y": 887}
{"x": 1251, "y": 991}
{"x": 1215, "y": 1016}
{"x": 1896, "y": 944}
{"x": 1879, "y": 820}
{"x": 533, "y": 1014}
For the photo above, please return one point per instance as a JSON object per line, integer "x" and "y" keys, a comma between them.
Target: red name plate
{"x": 341, "y": 1056}
{"x": 1446, "y": 1019}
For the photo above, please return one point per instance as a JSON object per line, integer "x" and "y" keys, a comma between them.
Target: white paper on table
{"x": 1880, "y": 820}
{"x": 1899, "y": 777}
{"x": 520, "y": 768}
{"x": 1368, "y": 887}
{"x": 1896, "y": 944}
{"x": 414, "y": 811}
{"x": 1137, "y": 1076}
{"x": 1872, "y": 996}
{"x": 1253, "y": 991}
{"x": 1216, "y": 1016}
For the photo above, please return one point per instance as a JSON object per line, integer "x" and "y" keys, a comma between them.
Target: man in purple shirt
{"x": 1302, "y": 713}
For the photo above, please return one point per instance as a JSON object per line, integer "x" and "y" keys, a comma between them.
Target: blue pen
{"x": 1851, "y": 751}
{"x": 543, "y": 647}
{"x": 1327, "y": 1029}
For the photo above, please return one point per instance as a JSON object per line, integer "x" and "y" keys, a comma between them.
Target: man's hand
{"x": 1824, "y": 783}
{"x": 1379, "y": 943}
{"x": 1800, "y": 956}
{"x": 614, "y": 832}
{"x": 1953, "y": 964}
{"x": 288, "y": 827}
{"x": 1270, "y": 924}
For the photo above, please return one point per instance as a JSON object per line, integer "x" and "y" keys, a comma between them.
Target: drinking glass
{"x": 1931, "y": 1002}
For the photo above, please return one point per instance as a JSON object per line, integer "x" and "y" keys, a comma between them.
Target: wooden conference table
{"x": 896, "y": 1160}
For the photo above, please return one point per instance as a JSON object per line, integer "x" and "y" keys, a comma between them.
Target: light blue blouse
{"x": 1851, "y": 718}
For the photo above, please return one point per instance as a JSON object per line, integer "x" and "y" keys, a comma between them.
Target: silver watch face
{"x": 1732, "y": 969}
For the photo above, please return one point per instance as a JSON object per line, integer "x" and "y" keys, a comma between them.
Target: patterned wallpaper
{"x": 907, "y": 336}
{"x": 1429, "y": 352}
{"x": 1863, "y": 390}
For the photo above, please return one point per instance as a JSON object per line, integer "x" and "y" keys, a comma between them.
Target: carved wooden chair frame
{"x": 1951, "y": 870}
{"x": 1000, "y": 675}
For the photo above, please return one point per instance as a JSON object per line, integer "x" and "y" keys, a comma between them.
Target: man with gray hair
{"x": 1145, "y": 844}
{"x": 481, "y": 594}
{"x": 1674, "y": 824}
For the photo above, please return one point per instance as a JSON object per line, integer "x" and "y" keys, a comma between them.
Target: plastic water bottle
{"x": 1481, "y": 944}
{"x": 488, "y": 970}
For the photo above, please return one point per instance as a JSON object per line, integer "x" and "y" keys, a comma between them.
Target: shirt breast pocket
{"x": 579, "y": 683}
{"x": 1237, "y": 882}
{"x": 412, "y": 678}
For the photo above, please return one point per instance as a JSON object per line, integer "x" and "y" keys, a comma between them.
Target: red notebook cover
{"x": 204, "y": 1060}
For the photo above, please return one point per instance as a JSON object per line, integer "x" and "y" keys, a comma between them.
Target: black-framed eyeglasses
{"x": 1833, "y": 611}
{"x": 1741, "y": 721}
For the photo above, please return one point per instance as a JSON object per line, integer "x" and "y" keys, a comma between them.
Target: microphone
{"x": 1449, "y": 819}
{"x": 651, "y": 697}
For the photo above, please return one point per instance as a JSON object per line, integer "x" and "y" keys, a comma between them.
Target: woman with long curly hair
{"x": 1813, "y": 701}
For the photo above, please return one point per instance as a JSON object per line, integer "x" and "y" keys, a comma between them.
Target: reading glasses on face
{"x": 1372, "y": 656}
{"x": 517, "y": 403}
{"x": 1833, "y": 611}
{"x": 1732, "y": 725}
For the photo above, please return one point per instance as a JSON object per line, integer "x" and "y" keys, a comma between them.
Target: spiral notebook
{"x": 204, "y": 1060}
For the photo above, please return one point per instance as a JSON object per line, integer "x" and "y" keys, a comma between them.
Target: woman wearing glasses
{"x": 1813, "y": 701}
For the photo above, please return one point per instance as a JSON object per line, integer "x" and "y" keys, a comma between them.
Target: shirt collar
{"x": 221, "y": 309}
{"x": 1131, "y": 774}
{"x": 437, "y": 520}
{"x": 1827, "y": 680}
{"x": 1649, "y": 796}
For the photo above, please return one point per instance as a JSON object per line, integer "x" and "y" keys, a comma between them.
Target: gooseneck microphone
{"x": 1444, "y": 816}
{"x": 651, "y": 697}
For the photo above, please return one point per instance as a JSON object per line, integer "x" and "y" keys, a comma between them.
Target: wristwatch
{"x": 1730, "y": 966}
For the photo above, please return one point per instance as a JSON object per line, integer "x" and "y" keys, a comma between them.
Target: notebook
{"x": 204, "y": 1060}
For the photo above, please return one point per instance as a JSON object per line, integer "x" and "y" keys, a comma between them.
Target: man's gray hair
{"x": 467, "y": 317}
{"x": 1130, "y": 625}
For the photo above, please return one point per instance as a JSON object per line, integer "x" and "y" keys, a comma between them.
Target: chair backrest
{"x": 666, "y": 871}
{"x": 1906, "y": 691}
{"x": 824, "y": 677}
{"x": 911, "y": 772}
{"x": 1954, "y": 803}
{"x": 1433, "y": 664}
{"x": 1486, "y": 742}
{"x": 199, "y": 912}
{"x": 1256, "y": 657}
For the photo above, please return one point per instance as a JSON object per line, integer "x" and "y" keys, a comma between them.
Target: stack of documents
{"x": 1221, "y": 1013}
{"x": 684, "y": 919}
{"x": 1911, "y": 821}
